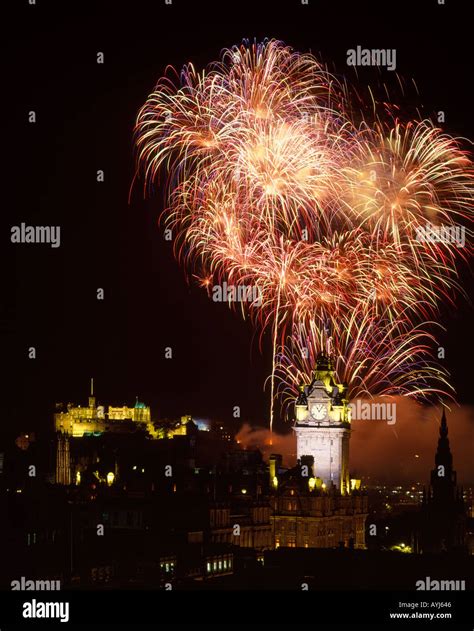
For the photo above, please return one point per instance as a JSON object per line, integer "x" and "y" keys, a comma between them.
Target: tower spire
{"x": 92, "y": 397}
{"x": 443, "y": 523}
{"x": 443, "y": 429}
{"x": 443, "y": 453}
{"x": 443, "y": 477}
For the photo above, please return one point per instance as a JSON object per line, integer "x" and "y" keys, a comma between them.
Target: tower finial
{"x": 92, "y": 386}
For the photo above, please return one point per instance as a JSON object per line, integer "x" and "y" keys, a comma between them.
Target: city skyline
{"x": 230, "y": 230}
{"x": 380, "y": 451}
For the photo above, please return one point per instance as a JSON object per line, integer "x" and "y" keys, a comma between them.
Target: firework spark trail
{"x": 271, "y": 184}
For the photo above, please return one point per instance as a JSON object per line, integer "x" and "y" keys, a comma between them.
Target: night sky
{"x": 85, "y": 115}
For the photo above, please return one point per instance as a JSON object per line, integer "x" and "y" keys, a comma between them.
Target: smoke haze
{"x": 401, "y": 452}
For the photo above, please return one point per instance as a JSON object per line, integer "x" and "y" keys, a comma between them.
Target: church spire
{"x": 443, "y": 518}
{"x": 443, "y": 477}
{"x": 443, "y": 430}
{"x": 443, "y": 455}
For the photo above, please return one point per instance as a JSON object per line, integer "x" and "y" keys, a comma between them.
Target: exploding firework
{"x": 271, "y": 184}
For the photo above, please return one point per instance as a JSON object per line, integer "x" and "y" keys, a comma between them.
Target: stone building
{"x": 307, "y": 516}
{"x": 322, "y": 425}
{"x": 315, "y": 504}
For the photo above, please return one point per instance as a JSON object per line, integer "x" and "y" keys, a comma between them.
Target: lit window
{"x": 225, "y": 564}
{"x": 220, "y": 565}
{"x": 214, "y": 566}
{"x": 208, "y": 567}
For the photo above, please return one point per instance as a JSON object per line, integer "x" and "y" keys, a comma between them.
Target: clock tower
{"x": 322, "y": 425}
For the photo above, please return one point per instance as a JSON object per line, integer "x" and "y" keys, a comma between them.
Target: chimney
{"x": 274, "y": 464}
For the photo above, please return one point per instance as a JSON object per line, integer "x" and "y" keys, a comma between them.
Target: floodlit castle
{"x": 73, "y": 423}
{"x": 93, "y": 420}
{"x": 322, "y": 426}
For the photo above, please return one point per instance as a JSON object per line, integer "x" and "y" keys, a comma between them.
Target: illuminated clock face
{"x": 319, "y": 411}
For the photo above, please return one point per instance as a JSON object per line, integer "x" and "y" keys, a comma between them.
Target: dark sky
{"x": 85, "y": 116}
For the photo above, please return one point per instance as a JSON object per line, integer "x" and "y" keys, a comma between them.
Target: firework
{"x": 271, "y": 184}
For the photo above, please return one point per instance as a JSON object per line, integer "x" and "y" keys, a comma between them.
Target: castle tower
{"x": 63, "y": 459}
{"x": 322, "y": 426}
